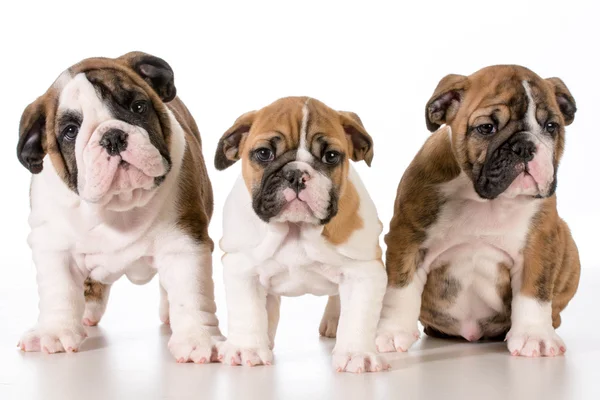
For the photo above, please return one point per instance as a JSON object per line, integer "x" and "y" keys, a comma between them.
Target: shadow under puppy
{"x": 119, "y": 188}
{"x": 299, "y": 220}
{"x": 476, "y": 247}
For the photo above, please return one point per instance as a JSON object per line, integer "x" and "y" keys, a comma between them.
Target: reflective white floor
{"x": 127, "y": 358}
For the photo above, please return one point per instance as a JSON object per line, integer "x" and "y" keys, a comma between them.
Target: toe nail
{"x": 515, "y": 353}
{"x": 339, "y": 369}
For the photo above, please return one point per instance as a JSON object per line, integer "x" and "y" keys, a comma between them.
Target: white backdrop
{"x": 380, "y": 60}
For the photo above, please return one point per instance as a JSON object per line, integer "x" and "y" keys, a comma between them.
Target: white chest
{"x": 300, "y": 265}
{"x": 480, "y": 231}
{"x": 470, "y": 246}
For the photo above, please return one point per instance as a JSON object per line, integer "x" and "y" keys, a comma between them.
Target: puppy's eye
{"x": 551, "y": 127}
{"x": 139, "y": 107}
{"x": 331, "y": 157}
{"x": 264, "y": 154}
{"x": 486, "y": 129}
{"x": 70, "y": 132}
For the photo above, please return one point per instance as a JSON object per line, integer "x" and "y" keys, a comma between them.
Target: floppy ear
{"x": 155, "y": 71}
{"x": 361, "y": 141}
{"x": 565, "y": 100}
{"x": 228, "y": 149}
{"x": 32, "y": 132}
{"x": 446, "y": 99}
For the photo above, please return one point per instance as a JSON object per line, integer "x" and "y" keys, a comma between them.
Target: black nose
{"x": 114, "y": 141}
{"x": 296, "y": 179}
{"x": 524, "y": 149}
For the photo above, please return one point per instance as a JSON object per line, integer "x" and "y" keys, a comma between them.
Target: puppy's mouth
{"x": 120, "y": 163}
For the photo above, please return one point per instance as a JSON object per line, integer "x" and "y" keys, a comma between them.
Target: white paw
{"x": 358, "y": 362}
{"x": 329, "y": 324}
{"x": 231, "y": 354}
{"x": 534, "y": 342}
{"x": 93, "y": 313}
{"x": 54, "y": 338}
{"x": 400, "y": 341}
{"x": 197, "y": 347}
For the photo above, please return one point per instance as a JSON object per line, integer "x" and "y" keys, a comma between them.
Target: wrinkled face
{"x": 106, "y": 135}
{"x": 507, "y": 130}
{"x": 295, "y": 156}
{"x": 110, "y": 137}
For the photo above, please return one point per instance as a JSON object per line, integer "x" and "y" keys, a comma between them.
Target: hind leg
{"x": 331, "y": 316}
{"x": 96, "y": 299}
{"x": 273, "y": 304}
{"x": 163, "y": 308}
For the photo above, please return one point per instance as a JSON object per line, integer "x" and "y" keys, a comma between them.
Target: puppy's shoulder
{"x": 356, "y": 227}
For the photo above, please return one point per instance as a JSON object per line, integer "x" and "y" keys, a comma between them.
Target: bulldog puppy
{"x": 476, "y": 247}
{"x": 299, "y": 221}
{"x": 119, "y": 188}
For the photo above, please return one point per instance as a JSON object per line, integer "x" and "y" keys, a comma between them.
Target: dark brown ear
{"x": 565, "y": 100}
{"x": 32, "y": 131}
{"x": 228, "y": 149}
{"x": 446, "y": 99}
{"x": 155, "y": 71}
{"x": 360, "y": 141}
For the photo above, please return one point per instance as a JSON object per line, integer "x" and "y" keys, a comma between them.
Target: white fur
{"x": 286, "y": 259}
{"x": 532, "y": 334}
{"x": 72, "y": 239}
{"x": 304, "y": 153}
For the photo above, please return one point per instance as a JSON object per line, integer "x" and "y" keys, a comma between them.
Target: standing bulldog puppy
{"x": 298, "y": 221}
{"x": 119, "y": 187}
{"x": 476, "y": 247}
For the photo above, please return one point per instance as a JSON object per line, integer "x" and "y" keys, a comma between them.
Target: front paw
{"x": 53, "y": 338}
{"x": 535, "y": 342}
{"x": 197, "y": 347}
{"x": 232, "y": 354}
{"x": 357, "y": 362}
{"x": 399, "y": 340}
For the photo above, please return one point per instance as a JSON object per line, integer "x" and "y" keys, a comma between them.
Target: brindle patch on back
{"x": 417, "y": 206}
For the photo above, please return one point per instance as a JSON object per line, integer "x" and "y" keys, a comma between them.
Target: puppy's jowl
{"x": 476, "y": 247}
{"x": 298, "y": 221}
{"x": 119, "y": 187}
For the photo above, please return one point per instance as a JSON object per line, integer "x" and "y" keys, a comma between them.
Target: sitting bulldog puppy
{"x": 476, "y": 247}
{"x": 299, "y": 221}
{"x": 119, "y": 188}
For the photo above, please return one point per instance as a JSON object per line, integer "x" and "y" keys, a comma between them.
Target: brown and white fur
{"x": 299, "y": 221}
{"x": 476, "y": 247}
{"x": 119, "y": 188}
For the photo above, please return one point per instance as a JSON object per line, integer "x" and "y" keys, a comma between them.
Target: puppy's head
{"x": 295, "y": 157}
{"x": 507, "y": 126}
{"x": 105, "y": 127}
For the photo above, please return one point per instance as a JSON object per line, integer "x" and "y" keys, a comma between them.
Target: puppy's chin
{"x": 296, "y": 211}
{"x": 124, "y": 200}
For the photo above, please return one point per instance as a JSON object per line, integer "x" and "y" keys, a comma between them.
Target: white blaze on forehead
{"x": 304, "y": 153}
{"x": 541, "y": 168}
{"x": 532, "y": 123}
{"x": 80, "y": 95}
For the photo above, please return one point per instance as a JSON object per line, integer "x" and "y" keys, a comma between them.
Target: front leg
{"x": 361, "y": 293}
{"x": 60, "y": 287}
{"x": 185, "y": 272}
{"x": 398, "y": 329}
{"x": 248, "y": 341}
